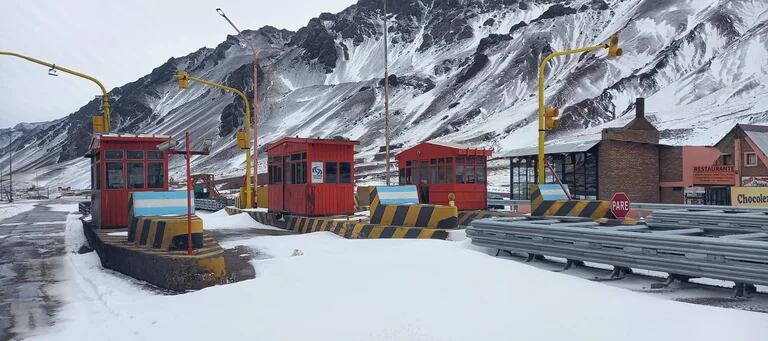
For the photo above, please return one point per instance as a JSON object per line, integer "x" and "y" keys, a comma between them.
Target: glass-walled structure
{"x": 577, "y": 169}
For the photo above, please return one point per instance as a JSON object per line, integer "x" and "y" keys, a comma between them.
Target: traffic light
{"x": 242, "y": 141}
{"x": 613, "y": 46}
{"x": 550, "y": 118}
{"x": 98, "y": 124}
{"x": 183, "y": 78}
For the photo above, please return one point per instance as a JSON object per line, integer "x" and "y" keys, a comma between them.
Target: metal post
{"x": 189, "y": 196}
{"x": 386, "y": 92}
{"x": 255, "y": 104}
{"x": 10, "y": 166}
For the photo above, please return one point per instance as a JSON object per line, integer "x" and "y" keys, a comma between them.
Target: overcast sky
{"x": 116, "y": 42}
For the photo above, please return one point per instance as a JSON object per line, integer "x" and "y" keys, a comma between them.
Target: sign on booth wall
{"x": 317, "y": 172}
{"x": 749, "y": 196}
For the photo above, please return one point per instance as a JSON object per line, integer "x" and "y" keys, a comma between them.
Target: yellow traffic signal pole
{"x": 105, "y": 97}
{"x": 613, "y": 51}
{"x": 243, "y": 139}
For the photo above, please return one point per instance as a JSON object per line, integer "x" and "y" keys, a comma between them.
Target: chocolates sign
{"x": 714, "y": 175}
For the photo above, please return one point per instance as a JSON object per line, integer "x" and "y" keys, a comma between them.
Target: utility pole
{"x": 256, "y": 53}
{"x": 386, "y": 91}
{"x": 10, "y": 167}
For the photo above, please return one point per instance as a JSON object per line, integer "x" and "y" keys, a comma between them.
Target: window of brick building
{"x": 750, "y": 159}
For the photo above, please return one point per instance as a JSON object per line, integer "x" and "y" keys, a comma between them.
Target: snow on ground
{"x": 8, "y": 210}
{"x": 71, "y": 208}
{"x": 319, "y": 286}
{"x": 221, "y": 220}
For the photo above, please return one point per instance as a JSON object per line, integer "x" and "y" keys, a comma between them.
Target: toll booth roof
{"x": 310, "y": 140}
{"x": 123, "y": 138}
{"x": 444, "y": 148}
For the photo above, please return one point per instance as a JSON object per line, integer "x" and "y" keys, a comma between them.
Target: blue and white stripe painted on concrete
{"x": 160, "y": 203}
{"x": 397, "y": 195}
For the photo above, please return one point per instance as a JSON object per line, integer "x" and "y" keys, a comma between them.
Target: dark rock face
{"x": 477, "y": 64}
{"x": 318, "y": 44}
{"x": 491, "y": 40}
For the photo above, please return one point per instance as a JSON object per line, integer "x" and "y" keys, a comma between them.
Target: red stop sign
{"x": 620, "y": 205}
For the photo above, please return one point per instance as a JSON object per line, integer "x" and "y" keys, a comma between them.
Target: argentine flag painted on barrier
{"x": 160, "y": 203}
{"x": 397, "y": 195}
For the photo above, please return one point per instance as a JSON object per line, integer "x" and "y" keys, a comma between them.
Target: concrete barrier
{"x": 398, "y": 206}
{"x": 594, "y": 209}
{"x": 359, "y": 230}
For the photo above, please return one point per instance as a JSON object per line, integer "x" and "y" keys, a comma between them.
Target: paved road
{"x": 31, "y": 249}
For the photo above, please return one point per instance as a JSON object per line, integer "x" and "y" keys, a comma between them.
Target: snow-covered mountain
{"x": 462, "y": 71}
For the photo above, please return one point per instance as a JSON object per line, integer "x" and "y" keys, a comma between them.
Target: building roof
{"x": 570, "y": 147}
{"x": 453, "y": 145}
{"x": 452, "y": 148}
{"x": 309, "y": 140}
{"x": 758, "y": 135}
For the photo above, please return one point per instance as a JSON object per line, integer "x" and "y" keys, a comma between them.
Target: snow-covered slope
{"x": 462, "y": 71}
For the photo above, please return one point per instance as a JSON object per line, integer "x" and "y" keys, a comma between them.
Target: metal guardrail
{"x": 741, "y": 257}
{"x": 213, "y": 204}
{"x": 648, "y": 206}
{"x": 721, "y": 220}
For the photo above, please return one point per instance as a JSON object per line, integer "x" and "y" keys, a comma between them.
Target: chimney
{"x": 640, "y": 107}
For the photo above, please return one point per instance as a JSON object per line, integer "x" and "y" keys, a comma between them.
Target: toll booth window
{"x": 95, "y": 175}
{"x": 155, "y": 155}
{"x": 331, "y": 172}
{"x": 115, "y": 177}
{"x": 409, "y": 174}
{"x": 155, "y": 175}
{"x": 275, "y": 170}
{"x": 433, "y": 171}
{"x": 345, "y": 172}
{"x": 298, "y": 173}
{"x": 424, "y": 173}
{"x": 459, "y": 170}
{"x": 135, "y": 155}
{"x": 113, "y": 154}
{"x": 135, "y": 174}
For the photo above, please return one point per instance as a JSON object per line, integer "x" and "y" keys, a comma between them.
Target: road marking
{"x": 50, "y": 222}
{"x": 11, "y": 224}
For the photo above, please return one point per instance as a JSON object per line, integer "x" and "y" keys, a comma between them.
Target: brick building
{"x": 630, "y": 159}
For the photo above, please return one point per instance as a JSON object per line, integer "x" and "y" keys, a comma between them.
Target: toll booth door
{"x": 717, "y": 196}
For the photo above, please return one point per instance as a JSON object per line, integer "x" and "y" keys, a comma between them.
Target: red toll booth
{"x": 439, "y": 169}
{"x": 121, "y": 164}
{"x": 311, "y": 177}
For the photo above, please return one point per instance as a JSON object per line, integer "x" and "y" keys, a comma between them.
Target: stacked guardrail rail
{"x": 213, "y": 204}
{"x": 724, "y": 220}
{"x": 732, "y": 253}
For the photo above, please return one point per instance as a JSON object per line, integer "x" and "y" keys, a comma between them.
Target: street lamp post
{"x": 10, "y": 167}
{"x": 256, "y": 53}
{"x": 100, "y": 123}
{"x": 386, "y": 93}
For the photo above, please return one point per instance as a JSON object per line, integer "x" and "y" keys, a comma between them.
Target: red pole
{"x": 552, "y": 169}
{"x": 189, "y": 197}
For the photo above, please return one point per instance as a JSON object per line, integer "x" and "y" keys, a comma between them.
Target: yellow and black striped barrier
{"x": 594, "y": 209}
{"x": 359, "y": 230}
{"x": 412, "y": 215}
{"x": 266, "y": 218}
{"x": 165, "y": 233}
